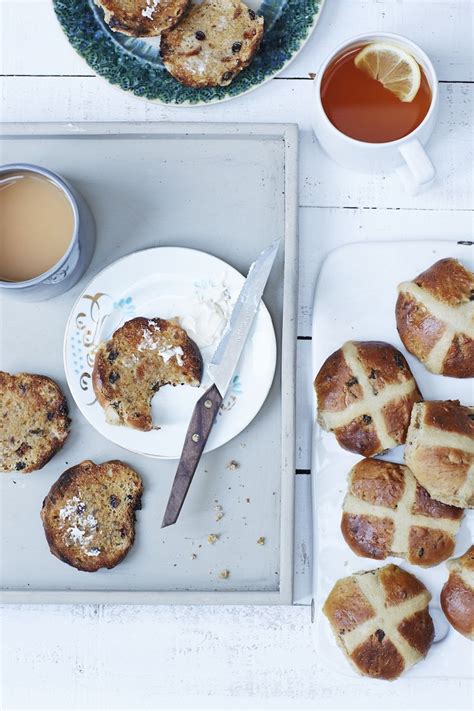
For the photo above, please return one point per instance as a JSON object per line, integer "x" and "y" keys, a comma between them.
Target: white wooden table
{"x": 128, "y": 657}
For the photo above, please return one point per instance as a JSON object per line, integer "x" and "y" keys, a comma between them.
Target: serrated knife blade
{"x": 225, "y": 359}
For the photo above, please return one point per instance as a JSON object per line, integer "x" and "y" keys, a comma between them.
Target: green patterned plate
{"x": 134, "y": 64}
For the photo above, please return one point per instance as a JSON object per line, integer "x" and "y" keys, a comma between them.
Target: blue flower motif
{"x": 126, "y": 305}
{"x": 235, "y": 385}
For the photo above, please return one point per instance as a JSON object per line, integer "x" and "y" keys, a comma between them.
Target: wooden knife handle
{"x": 204, "y": 414}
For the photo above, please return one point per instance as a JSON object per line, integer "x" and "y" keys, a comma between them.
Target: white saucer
{"x": 163, "y": 282}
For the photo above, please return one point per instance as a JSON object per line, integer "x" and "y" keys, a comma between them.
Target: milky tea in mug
{"x": 362, "y": 108}
{"x": 36, "y": 225}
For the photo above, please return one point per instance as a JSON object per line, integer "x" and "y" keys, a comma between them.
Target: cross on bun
{"x": 381, "y": 620}
{"x": 440, "y": 451}
{"x": 435, "y": 318}
{"x": 457, "y": 595}
{"x": 386, "y": 512}
{"x": 365, "y": 393}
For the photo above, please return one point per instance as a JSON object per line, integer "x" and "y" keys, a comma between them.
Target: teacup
{"x": 78, "y": 251}
{"x": 406, "y": 155}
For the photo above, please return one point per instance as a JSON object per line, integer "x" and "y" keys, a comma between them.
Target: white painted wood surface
{"x": 185, "y": 657}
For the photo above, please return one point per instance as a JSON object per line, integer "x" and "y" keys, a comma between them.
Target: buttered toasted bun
{"x": 213, "y": 43}
{"x": 89, "y": 514}
{"x": 142, "y": 18}
{"x": 142, "y": 356}
{"x": 35, "y": 422}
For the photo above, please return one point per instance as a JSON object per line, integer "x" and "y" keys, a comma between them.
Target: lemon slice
{"x": 397, "y": 70}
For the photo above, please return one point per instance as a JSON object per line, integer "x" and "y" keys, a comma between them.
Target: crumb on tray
{"x": 233, "y": 464}
{"x": 261, "y": 541}
{"x": 224, "y": 574}
{"x": 212, "y": 538}
{"x": 219, "y": 512}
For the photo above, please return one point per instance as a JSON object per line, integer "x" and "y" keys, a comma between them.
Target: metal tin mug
{"x": 406, "y": 155}
{"x": 72, "y": 265}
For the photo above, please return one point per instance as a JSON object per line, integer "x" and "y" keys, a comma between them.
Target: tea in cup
{"x": 376, "y": 102}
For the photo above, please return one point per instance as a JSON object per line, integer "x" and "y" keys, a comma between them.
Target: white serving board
{"x": 355, "y": 299}
{"x": 227, "y": 189}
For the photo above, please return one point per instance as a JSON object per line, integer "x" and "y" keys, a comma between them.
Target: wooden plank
{"x": 302, "y": 580}
{"x": 304, "y": 399}
{"x": 322, "y": 182}
{"x": 124, "y": 657}
{"x": 448, "y": 39}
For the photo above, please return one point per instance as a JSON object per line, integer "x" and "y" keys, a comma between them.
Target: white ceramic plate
{"x": 355, "y": 299}
{"x": 164, "y": 282}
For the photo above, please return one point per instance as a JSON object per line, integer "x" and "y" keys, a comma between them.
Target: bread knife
{"x": 221, "y": 369}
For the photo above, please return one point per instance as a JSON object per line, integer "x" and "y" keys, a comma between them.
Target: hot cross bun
{"x": 365, "y": 393}
{"x": 457, "y": 595}
{"x": 435, "y": 318}
{"x": 386, "y": 512}
{"x": 381, "y": 620}
{"x": 440, "y": 451}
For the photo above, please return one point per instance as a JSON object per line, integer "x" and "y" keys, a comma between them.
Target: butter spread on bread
{"x": 142, "y": 356}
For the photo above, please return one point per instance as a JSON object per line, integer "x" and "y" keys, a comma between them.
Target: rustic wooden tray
{"x": 228, "y": 189}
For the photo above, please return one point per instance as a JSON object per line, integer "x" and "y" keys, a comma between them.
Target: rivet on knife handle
{"x": 199, "y": 428}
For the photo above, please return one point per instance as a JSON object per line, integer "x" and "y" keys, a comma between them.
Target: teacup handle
{"x": 418, "y": 172}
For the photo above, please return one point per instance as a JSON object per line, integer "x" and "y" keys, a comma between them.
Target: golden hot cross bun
{"x": 457, "y": 595}
{"x": 386, "y": 512}
{"x": 440, "y": 451}
{"x": 435, "y": 318}
{"x": 381, "y": 620}
{"x": 365, "y": 393}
